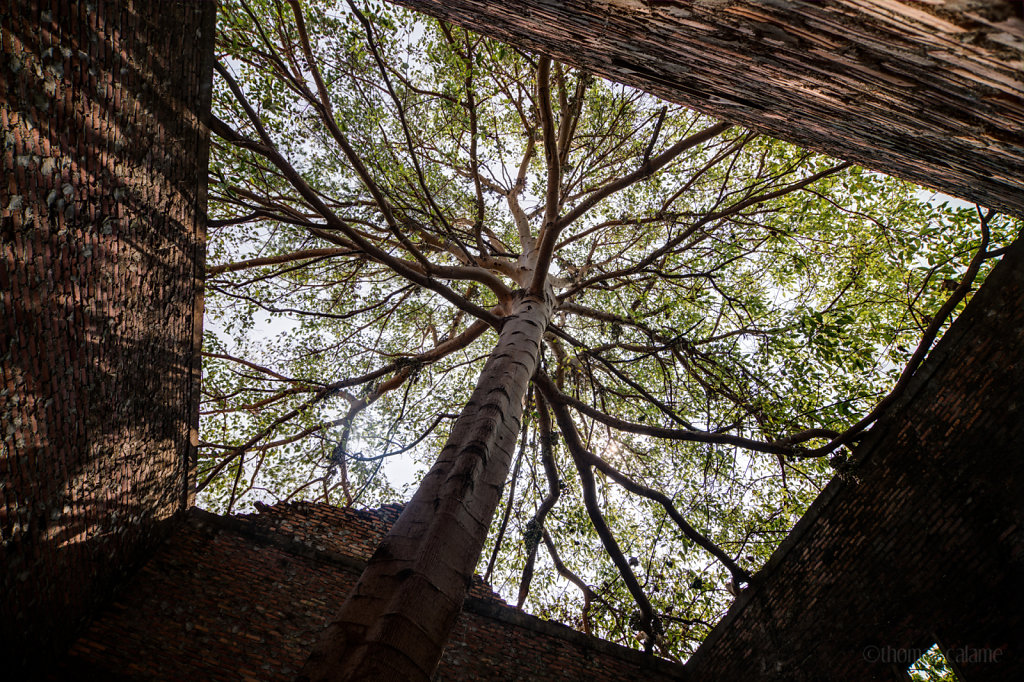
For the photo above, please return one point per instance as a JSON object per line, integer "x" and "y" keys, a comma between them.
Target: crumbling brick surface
{"x": 244, "y": 598}
{"x": 101, "y": 242}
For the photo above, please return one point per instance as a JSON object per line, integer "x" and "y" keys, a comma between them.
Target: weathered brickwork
{"x": 924, "y": 543}
{"x": 102, "y": 202}
{"x": 928, "y": 90}
{"x": 243, "y": 598}
{"x": 347, "y": 532}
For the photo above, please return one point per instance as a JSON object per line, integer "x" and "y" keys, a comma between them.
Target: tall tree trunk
{"x": 395, "y": 623}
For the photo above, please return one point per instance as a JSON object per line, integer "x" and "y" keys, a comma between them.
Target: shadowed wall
{"x": 245, "y": 597}
{"x": 101, "y": 253}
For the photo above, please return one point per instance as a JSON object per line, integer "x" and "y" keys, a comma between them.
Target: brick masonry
{"x": 928, "y": 90}
{"x": 243, "y": 598}
{"x": 102, "y": 203}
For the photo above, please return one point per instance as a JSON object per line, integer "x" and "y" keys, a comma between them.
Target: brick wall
{"x": 102, "y": 200}
{"x": 928, "y": 90}
{"x": 922, "y": 543}
{"x": 244, "y": 598}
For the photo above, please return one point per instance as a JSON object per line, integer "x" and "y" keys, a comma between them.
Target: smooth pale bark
{"x": 395, "y": 623}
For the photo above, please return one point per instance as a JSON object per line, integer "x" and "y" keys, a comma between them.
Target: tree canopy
{"x": 727, "y": 310}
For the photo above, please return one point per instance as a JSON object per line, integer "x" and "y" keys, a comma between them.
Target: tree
{"x": 681, "y": 325}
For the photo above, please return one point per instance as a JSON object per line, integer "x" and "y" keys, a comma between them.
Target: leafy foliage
{"x": 728, "y": 305}
{"x": 932, "y": 666}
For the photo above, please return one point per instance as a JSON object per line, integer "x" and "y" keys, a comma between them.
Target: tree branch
{"x": 305, "y": 254}
{"x": 553, "y": 395}
{"x": 535, "y": 526}
{"x": 591, "y": 459}
{"x": 400, "y": 267}
{"x": 648, "y": 618}
{"x": 648, "y": 169}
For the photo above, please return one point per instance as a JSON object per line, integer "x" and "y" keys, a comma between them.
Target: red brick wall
{"x": 243, "y": 598}
{"x": 922, "y": 543}
{"x": 102, "y": 200}
{"x": 927, "y": 90}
